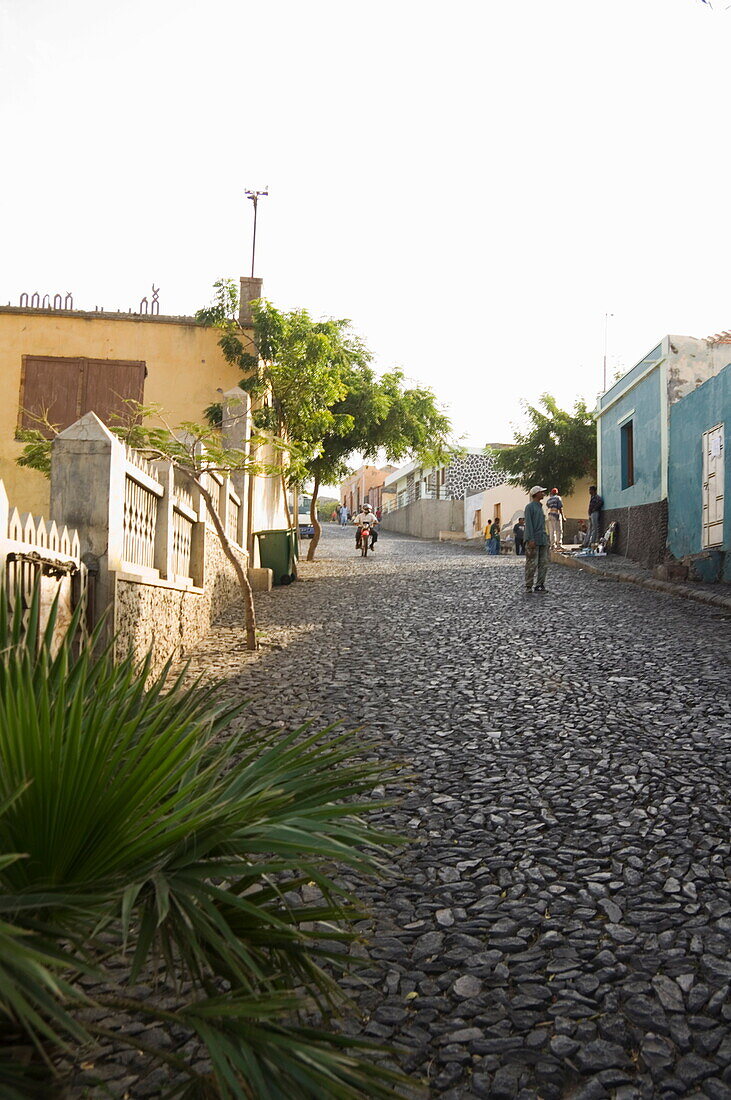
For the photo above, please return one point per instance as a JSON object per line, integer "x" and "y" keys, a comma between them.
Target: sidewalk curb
{"x": 681, "y": 590}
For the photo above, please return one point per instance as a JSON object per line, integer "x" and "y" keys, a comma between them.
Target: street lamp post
{"x": 255, "y": 196}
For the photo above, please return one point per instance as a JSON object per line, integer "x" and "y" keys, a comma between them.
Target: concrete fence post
{"x": 87, "y": 492}
{"x": 164, "y": 527}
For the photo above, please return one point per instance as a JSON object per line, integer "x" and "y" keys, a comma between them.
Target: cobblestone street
{"x": 559, "y": 923}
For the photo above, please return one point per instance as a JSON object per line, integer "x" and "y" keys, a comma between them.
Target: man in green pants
{"x": 536, "y": 541}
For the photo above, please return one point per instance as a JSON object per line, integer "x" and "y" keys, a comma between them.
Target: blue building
{"x": 637, "y": 450}
{"x": 699, "y": 528}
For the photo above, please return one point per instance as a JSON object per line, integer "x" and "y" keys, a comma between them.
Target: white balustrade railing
{"x": 182, "y": 541}
{"x": 233, "y": 511}
{"x": 142, "y": 491}
{"x": 408, "y": 496}
{"x": 214, "y": 484}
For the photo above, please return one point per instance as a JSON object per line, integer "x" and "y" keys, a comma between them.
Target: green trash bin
{"x": 276, "y": 553}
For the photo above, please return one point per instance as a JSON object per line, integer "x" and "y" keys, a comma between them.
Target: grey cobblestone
{"x": 562, "y": 772}
{"x": 569, "y": 847}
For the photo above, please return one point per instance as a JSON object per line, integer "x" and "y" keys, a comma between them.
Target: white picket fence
{"x": 36, "y": 552}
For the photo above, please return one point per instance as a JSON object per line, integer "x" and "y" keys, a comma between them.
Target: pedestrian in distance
{"x": 596, "y": 504}
{"x": 487, "y": 537}
{"x": 343, "y": 512}
{"x": 536, "y": 542}
{"x": 519, "y": 536}
{"x": 554, "y": 504}
{"x": 495, "y": 536}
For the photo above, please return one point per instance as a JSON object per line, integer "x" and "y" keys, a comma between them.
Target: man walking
{"x": 555, "y": 520}
{"x": 536, "y": 541}
{"x": 595, "y": 506}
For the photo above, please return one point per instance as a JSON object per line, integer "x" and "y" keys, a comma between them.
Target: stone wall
{"x": 171, "y": 620}
{"x": 643, "y": 531}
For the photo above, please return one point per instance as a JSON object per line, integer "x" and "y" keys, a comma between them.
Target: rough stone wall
{"x": 643, "y": 531}
{"x": 171, "y": 621}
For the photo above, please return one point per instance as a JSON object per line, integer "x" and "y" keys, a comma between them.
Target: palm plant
{"x": 132, "y": 825}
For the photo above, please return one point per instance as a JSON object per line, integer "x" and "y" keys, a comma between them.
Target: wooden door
{"x": 713, "y": 487}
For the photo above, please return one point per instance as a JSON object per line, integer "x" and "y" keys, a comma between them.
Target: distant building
{"x": 428, "y": 501}
{"x": 364, "y": 486}
{"x": 506, "y": 502}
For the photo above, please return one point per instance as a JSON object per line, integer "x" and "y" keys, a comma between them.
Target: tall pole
{"x": 255, "y": 196}
{"x": 606, "y": 325}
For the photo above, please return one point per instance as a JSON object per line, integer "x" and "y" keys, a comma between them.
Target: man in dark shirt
{"x": 519, "y": 536}
{"x": 595, "y": 506}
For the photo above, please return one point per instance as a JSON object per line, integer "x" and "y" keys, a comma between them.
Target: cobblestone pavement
{"x": 559, "y": 925}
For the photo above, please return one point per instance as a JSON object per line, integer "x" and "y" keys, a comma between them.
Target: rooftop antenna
{"x": 255, "y": 196}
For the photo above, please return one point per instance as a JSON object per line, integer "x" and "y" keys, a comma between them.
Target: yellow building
{"x": 506, "y": 502}
{"x": 68, "y": 362}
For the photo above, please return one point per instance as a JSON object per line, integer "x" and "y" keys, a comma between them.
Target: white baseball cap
{"x": 537, "y": 489}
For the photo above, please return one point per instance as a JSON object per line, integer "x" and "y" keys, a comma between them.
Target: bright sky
{"x": 474, "y": 184}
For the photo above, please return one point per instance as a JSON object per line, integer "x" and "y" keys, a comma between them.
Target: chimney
{"x": 250, "y": 290}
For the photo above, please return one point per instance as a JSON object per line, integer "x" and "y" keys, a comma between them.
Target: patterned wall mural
{"x": 472, "y": 474}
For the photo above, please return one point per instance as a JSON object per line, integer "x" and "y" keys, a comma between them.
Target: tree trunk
{"x": 246, "y": 590}
{"x": 296, "y": 513}
{"x": 287, "y": 513}
{"x": 315, "y": 522}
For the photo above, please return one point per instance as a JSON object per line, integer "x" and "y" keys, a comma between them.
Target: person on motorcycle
{"x": 365, "y": 516}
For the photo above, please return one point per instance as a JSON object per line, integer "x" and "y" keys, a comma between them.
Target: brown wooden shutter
{"x": 109, "y": 383}
{"x": 49, "y": 386}
{"x": 65, "y": 388}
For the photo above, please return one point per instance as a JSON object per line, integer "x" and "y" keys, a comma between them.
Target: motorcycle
{"x": 364, "y": 538}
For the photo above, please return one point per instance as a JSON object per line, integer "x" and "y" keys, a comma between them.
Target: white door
{"x": 713, "y": 486}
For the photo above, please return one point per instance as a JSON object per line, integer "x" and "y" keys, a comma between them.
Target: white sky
{"x": 474, "y": 184}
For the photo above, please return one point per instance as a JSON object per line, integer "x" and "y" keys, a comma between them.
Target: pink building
{"x": 364, "y": 486}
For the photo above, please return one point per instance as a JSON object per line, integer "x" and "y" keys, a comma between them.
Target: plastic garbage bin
{"x": 276, "y": 553}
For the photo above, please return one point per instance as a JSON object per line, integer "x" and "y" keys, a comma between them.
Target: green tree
{"x": 558, "y": 448}
{"x": 294, "y": 366}
{"x": 325, "y": 507}
{"x": 319, "y": 393}
{"x": 377, "y": 417}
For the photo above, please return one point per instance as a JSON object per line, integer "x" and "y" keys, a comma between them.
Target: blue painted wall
{"x": 644, "y": 398}
{"x": 701, "y": 410}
